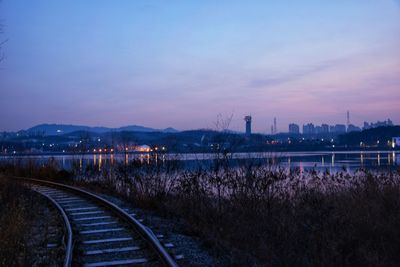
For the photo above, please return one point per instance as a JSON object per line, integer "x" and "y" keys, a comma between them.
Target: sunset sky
{"x": 181, "y": 63}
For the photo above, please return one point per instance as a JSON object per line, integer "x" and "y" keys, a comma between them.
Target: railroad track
{"x": 99, "y": 233}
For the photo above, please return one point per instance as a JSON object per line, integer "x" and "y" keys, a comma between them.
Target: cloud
{"x": 294, "y": 75}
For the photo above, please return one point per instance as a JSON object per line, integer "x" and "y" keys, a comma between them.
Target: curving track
{"x": 101, "y": 233}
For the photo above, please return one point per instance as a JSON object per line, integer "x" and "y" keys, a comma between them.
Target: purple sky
{"x": 181, "y": 63}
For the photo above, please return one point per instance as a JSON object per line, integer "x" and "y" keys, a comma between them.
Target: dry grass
{"x": 256, "y": 216}
{"x": 16, "y": 207}
{"x": 25, "y": 223}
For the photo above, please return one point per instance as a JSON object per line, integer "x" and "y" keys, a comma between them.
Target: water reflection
{"x": 100, "y": 161}
{"x": 302, "y": 160}
{"x": 362, "y": 159}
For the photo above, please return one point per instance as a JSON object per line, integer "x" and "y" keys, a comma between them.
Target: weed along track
{"x": 99, "y": 232}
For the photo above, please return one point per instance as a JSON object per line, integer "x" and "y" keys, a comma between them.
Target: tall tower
{"x": 247, "y": 119}
{"x": 348, "y": 120}
{"x": 275, "y": 131}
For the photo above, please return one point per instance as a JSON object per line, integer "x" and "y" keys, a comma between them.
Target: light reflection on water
{"x": 332, "y": 161}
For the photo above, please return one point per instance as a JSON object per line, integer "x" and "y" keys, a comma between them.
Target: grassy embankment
{"x": 253, "y": 215}
{"x": 27, "y": 225}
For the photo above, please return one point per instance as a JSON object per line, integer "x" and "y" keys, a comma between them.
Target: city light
{"x": 233, "y": 133}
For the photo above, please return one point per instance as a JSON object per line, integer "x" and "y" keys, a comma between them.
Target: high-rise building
{"x": 247, "y": 119}
{"x": 275, "y": 131}
{"x": 325, "y": 128}
{"x": 308, "y": 128}
{"x": 377, "y": 124}
{"x": 294, "y": 128}
{"x": 338, "y": 128}
{"x": 353, "y": 128}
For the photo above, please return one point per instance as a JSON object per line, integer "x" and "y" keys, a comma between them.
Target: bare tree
{"x": 222, "y": 124}
{"x": 1, "y": 43}
{"x": 1, "y": 50}
{"x": 1, "y": 46}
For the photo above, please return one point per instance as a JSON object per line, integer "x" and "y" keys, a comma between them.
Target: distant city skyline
{"x": 247, "y": 128}
{"x": 180, "y": 64}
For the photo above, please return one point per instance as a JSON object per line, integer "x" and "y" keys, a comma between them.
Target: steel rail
{"x": 142, "y": 230}
{"x": 67, "y": 224}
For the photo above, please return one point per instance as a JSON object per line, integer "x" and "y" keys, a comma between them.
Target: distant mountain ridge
{"x": 57, "y": 129}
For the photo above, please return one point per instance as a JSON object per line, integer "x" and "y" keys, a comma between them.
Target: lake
{"x": 332, "y": 161}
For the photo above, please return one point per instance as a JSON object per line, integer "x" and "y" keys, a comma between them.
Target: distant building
{"x": 275, "y": 130}
{"x": 294, "y": 128}
{"x": 325, "y": 128}
{"x": 338, "y": 128}
{"x": 143, "y": 148}
{"x": 308, "y": 128}
{"x": 247, "y": 119}
{"x": 353, "y": 128}
{"x": 377, "y": 124}
{"x": 318, "y": 129}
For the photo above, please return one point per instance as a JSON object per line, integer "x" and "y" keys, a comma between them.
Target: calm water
{"x": 332, "y": 161}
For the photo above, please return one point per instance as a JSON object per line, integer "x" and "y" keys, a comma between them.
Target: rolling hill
{"x": 58, "y": 129}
